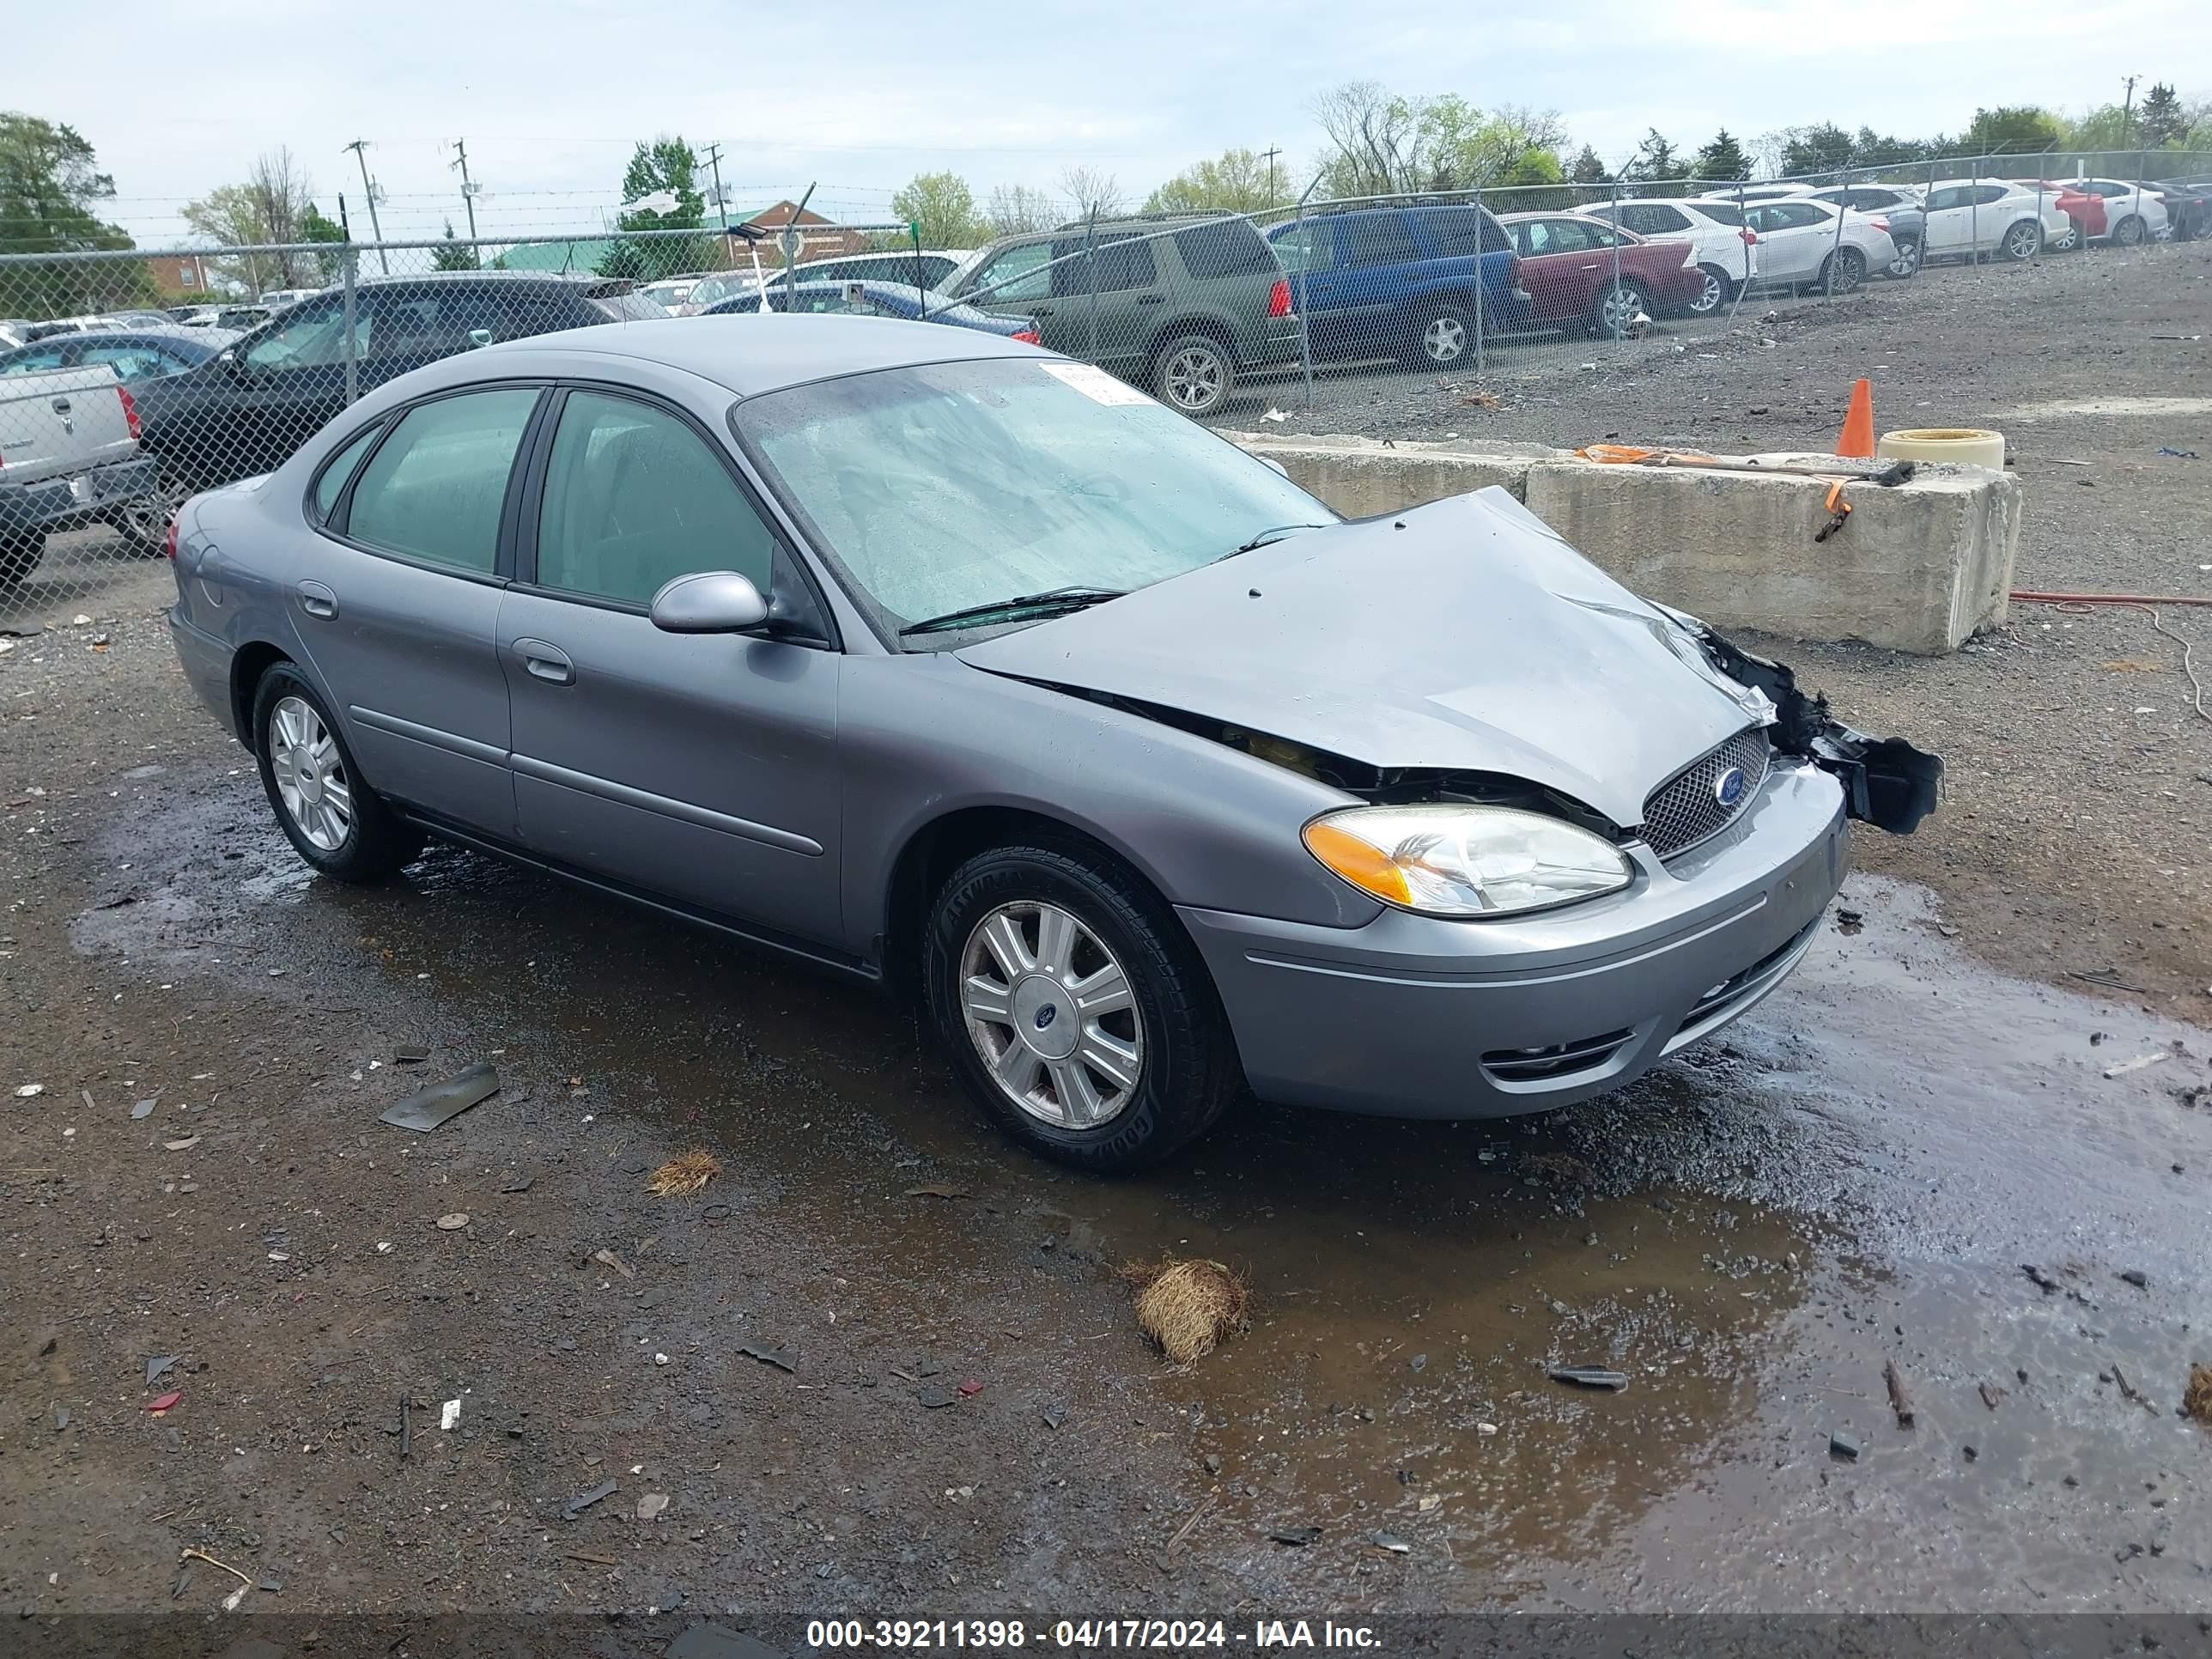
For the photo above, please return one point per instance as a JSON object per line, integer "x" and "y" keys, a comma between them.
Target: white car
{"x": 1969, "y": 217}
{"x": 278, "y": 298}
{"x": 1715, "y": 238}
{"x": 1802, "y": 242}
{"x": 1898, "y": 204}
{"x": 2133, "y": 216}
{"x": 670, "y": 292}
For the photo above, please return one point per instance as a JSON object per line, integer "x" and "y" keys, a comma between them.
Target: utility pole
{"x": 360, "y": 148}
{"x": 1271, "y": 154}
{"x": 468, "y": 190}
{"x": 721, "y": 207}
{"x": 2128, "y": 112}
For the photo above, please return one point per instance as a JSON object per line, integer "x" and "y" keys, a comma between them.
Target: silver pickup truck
{"x": 69, "y": 457}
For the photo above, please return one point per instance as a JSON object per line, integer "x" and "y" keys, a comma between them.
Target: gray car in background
{"x": 944, "y": 661}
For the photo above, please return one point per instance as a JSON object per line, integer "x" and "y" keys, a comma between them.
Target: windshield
{"x": 948, "y": 485}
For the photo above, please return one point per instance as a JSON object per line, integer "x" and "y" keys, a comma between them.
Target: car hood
{"x": 1463, "y": 635}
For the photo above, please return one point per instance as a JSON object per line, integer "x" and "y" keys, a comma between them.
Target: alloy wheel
{"x": 1052, "y": 1015}
{"x": 2022, "y": 242}
{"x": 1907, "y": 261}
{"x": 1193, "y": 378}
{"x": 1712, "y": 296}
{"x": 1444, "y": 340}
{"x": 1618, "y": 313}
{"x": 311, "y": 778}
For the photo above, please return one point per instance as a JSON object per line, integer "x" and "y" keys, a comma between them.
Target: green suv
{"x": 1180, "y": 304}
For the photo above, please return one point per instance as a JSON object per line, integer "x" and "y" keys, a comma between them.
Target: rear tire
{"x": 1443, "y": 337}
{"x": 1846, "y": 272}
{"x": 333, "y": 819}
{"x": 19, "y": 557}
{"x": 1907, "y": 265}
{"x": 2129, "y": 232}
{"x": 998, "y": 991}
{"x": 1194, "y": 374}
{"x": 2022, "y": 242}
{"x": 1614, "y": 312}
{"x": 143, "y": 523}
{"x": 1717, "y": 292}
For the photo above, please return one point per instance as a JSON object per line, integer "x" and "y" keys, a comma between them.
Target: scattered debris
{"x": 182, "y": 1146}
{"x": 607, "y": 1258}
{"x": 29, "y": 1091}
{"x": 1899, "y": 1400}
{"x": 937, "y": 1189}
{"x": 1850, "y": 921}
{"x": 449, "y": 1415}
{"x": 1213, "y": 1462}
{"x": 2108, "y": 979}
{"x": 1992, "y": 1395}
{"x": 1053, "y": 1415}
{"x": 2131, "y": 1392}
{"x": 650, "y": 1506}
{"x": 162, "y": 1405}
{"x": 1843, "y": 1446}
{"x": 1190, "y": 1521}
{"x": 2177, "y": 454}
{"x": 582, "y": 1501}
{"x": 1296, "y": 1537}
{"x": 157, "y": 1364}
{"x": 971, "y": 1388}
{"x": 778, "y": 1357}
{"x": 2134, "y": 1276}
{"x": 518, "y": 1184}
{"x": 426, "y": 1108}
{"x": 1390, "y": 1543}
{"x": 591, "y": 1556}
{"x": 2196, "y": 1398}
{"x": 1275, "y": 414}
{"x": 1588, "y": 1377}
{"x": 61, "y": 1417}
{"x": 145, "y": 1109}
{"x": 2138, "y": 1063}
{"x": 2042, "y": 1280}
{"x": 1186, "y": 1306}
{"x": 686, "y": 1174}
{"x": 932, "y": 1398}
{"x": 454, "y": 1222}
{"x": 406, "y": 1427}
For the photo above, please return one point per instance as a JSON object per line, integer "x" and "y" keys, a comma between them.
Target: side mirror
{"x": 710, "y": 602}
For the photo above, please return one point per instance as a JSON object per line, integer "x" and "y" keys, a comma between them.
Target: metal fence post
{"x": 1836, "y": 248}
{"x": 1303, "y": 293}
{"x": 348, "y": 263}
{"x": 1619, "y": 332}
{"x": 1481, "y": 278}
{"x": 1090, "y": 261}
{"x": 1974, "y": 214}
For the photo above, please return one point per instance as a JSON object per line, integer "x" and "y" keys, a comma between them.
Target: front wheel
{"x": 1614, "y": 314}
{"x": 2023, "y": 241}
{"x": 1906, "y": 264}
{"x": 1194, "y": 374}
{"x": 334, "y": 820}
{"x": 2129, "y": 232}
{"x": 1847, "y": 269}
{"x": 1075, "y": 1010}
{"x": 1713, "y": 295}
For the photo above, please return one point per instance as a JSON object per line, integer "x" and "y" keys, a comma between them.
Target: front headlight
{"x": 1445, "y": 861}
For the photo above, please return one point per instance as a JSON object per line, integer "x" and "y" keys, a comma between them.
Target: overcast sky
{"x": 860, "y": 94}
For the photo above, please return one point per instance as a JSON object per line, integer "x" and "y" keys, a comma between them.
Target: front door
{"x": 700, "y": 767}
{"x": 397, "y": 600}
{"x": 1106, "y": 315}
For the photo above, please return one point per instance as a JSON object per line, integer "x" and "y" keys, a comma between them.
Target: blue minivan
{"x": 1401, "y": 281}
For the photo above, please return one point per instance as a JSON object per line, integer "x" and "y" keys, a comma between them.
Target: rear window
{"x": 626, "y": 305}
{"x": 1460, "y": 233}
{"x": 1227, "y": 247}
{"x": 1720, "y": 213}
{"x": 332, "y": 482}
{"x": 1376, "y": 239}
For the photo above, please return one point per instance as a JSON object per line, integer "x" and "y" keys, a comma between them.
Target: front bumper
{"x": 50, "y": 506}
{"x": 1416, "y": 1017}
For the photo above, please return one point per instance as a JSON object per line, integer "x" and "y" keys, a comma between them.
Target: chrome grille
{"x": 1687, "y": 808}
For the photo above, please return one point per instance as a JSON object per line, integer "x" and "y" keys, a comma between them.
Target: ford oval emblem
{"x": 1727, "y": 788}
{"x": 1046, "y": 1015}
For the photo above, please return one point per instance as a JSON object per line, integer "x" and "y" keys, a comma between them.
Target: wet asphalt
{"x": 1861, "y": 1173}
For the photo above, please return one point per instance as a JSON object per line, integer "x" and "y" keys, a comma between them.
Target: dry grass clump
{"x": 1186, "y": 1306}
{"x": 686, "y": 1174}
{"x": 2196, "y": 1402}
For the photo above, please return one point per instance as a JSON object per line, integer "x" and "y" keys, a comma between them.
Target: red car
{"x": 1567, "y": 266}
{"x": 2087, "y": 211}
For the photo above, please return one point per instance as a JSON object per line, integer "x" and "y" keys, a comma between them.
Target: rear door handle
{"x": 546, "y": 662}
{"x": 318, "y": 600}
{"x": 1040, "y": 311}
{"x": 1152, "y": 299}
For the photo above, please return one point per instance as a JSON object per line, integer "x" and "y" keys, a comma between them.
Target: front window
{"x": 311, "y": 335}
{"x": 941, "y": 487}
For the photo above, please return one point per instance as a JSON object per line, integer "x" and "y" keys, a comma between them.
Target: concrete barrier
{"x": 1920, "y": 568}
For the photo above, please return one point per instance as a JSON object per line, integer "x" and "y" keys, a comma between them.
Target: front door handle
{"x": 545, "y": 662}
{"x": 318, "y": 600}
{"x": 1040, "y": 311}
{"x": 1152, "y": 299}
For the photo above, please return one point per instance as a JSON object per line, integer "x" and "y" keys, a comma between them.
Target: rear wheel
{"x": 2129, "y": 232}
{"x": 2022, "y": 242}
{"x": 333, "y": 819}
{"x": 1075, "y": 1010}
{"x": 1441, "y": 337}
{"x": 19, "y": 557}
{"x": 1194, "y": 374}
{"x": 1714, "y": 294}
{"x": 144, "y": 523}
{"x": 1907, "y": 265}
{"x": 1615, "y": 313}
{"x": 2063, "y": 241}
{"x": 1846, "y": 271}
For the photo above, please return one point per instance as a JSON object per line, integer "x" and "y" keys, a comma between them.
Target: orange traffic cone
{"x": 1857, "y": 441}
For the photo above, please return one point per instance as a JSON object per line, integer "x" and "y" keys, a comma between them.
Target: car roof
{"x": 559, "y": 278}
{"x": 776, "y": 350}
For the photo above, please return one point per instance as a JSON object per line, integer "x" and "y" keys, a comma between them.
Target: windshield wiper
{"x": 1052, "y": 601}
{"x": 1264, "y": 537}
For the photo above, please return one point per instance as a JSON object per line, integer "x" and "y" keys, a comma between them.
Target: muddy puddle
{"x": 1854, "y": 1174}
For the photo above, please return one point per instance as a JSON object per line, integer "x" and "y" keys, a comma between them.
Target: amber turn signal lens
{"x": 1360, "y": 863}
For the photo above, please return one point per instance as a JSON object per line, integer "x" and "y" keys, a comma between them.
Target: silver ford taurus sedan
{"x": 949, "y": 663}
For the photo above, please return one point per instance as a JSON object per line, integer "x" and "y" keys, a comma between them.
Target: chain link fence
{"x": 128, "y": 379}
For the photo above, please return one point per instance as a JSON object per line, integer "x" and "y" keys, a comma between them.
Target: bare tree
{"x": 272, "y": 205}
{"x": 1092, "y": 191}
{"x": 1016, "y": 209}
{"x": 1374, "y": 138}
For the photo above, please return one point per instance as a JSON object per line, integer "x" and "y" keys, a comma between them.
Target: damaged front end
{"x": 1887, "y": 781}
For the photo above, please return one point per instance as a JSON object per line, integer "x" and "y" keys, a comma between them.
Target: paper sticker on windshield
{"x": 1095, "y": 384}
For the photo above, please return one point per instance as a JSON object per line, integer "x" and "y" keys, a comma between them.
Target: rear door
{"x": 1794, "y": 238}
{"x": 1377, "y": 261}
{"x": 397, "y": 601}
{"x": 1108, "y": 297}
{"x": 700, "y": 766}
